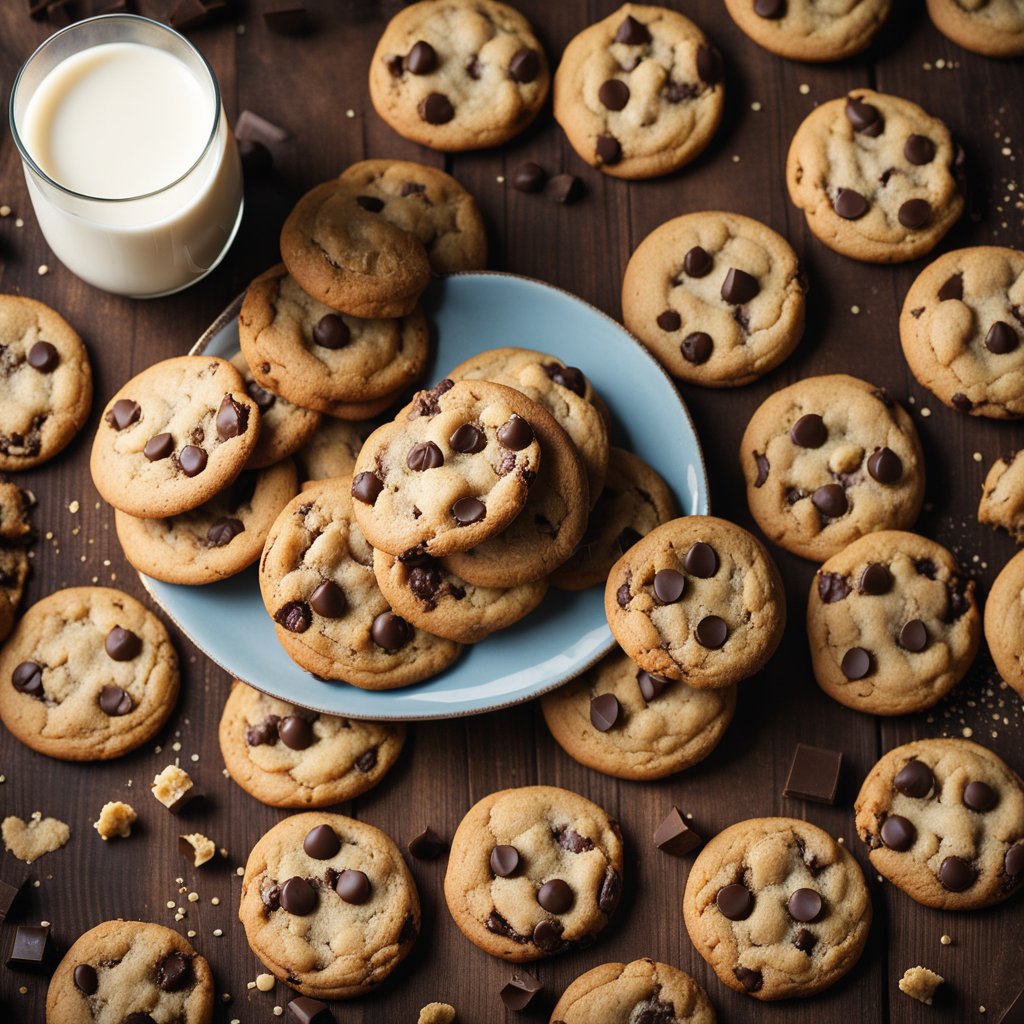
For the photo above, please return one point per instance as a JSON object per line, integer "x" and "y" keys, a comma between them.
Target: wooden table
{"x": 316, "y": 87}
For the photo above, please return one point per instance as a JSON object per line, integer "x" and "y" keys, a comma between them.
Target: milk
{"x": 132, "y": 171}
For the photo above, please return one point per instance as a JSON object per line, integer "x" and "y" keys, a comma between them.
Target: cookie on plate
{"x": 321, "y": 359}
{"x": 220, "y": 538}
{"x": 893, "y": 623}
{"x": 425, "y": 593}
{"x": 458, "y": 74}
{"x": 317, "y": 582}
{"x": 829, "y": 459}
{"x": 174, "y": 436}
{"x": 429, "y": 204}
{"x": 533, "y": 871}
{"x": 994, "y": 28}
{"x": 333, "y": 449}
{"x": 287, "y": 756}
{"x": 453, "y": 468}
{"x": 943, "y": 820}
{"x": 698, "y": 599}
{"x": 622, "y": 721}
{"x": 873, "y": 174}
{"x": 328, "y": 905}
{"x": 1002, "y": 496}
{"x": 1004, "y": 622}
{"x": 639, "y": 93}
{"x": 806, "y": 30}
{"x": 962, "y": 332}
{"x": 88, "y": 674}
{"x": 131, "y": 971}
{"x": 634, "y": 993}
{"x": 717, "y": 298}
{"x": 47, "y": 388}
{"x": 633, "y": 502}
{"x": 777, "y": 907}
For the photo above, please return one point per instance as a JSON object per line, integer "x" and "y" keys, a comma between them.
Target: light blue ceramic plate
{"x": 568, "y": 632}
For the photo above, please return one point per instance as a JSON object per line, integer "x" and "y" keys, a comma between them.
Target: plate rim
{"x": 231, "y": 313}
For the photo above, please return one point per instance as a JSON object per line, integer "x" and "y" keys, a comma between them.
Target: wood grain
{"x": 310, "y": 84}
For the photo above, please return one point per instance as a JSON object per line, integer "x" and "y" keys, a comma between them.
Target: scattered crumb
{"x": 5, "y": 211}
{"x": 42, "y": 269}
{"x": 193, "y": 897}
{"x": 74, "y": 507}
{"x": 804, "y": 88}
{"x": 977, "y": 456}
{"x": 855, "y": 310}
{"x": 920, "y": 983}
{"x": 278, "y": 1011}
{"x": 218, "y": 932}
{"x": 215, "y": 901}
{"x": 925, "y": 411}
{"x": 18, "y": 222}
{"x": 116, "y": 819}
{"x": 500, "y": 179}
{"x": 945, "y": 940}
{"x": 735, "y": 158}
{"x": 437, "y": 1013}
{"x": 967, "y": 732}
{"x": 350, "y": 112}
{"x": 265, "y": 982}
{"x": 172, "y": 786}
{"x": 240, "y": 872}
{"x": 197, "y": 847}
{"x": 29, "y": 840}
{"x": 755, "y": 106}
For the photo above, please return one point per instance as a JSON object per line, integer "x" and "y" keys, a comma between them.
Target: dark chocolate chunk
{"x": 353, "y": 886}
{"x": 519, "y": 990}
{"x": 805, "y": 940}
{"x": 8, "y": 897}
{"x": 709, "y": 64}
{"x": 914, "y": 779}
{"x": 668, "y": 586}
{"x": 423, "y": 456}
{"x": 914, "y": 636}
{"x": 307, "y": 1010}
{"x": 295, "y": 616}
{"x": 670, "y": 321}
{"x": 263, "y": 733}
{"x": 428, "y": 845}
{"x": 516, "y": 434}
{"x": 761, "y": 460}
{"x": 832, "y": 587}
{"x": 564, "y": 189}
{"x": 876, "y": 579}
{"x": 608, "y": 149}
{"x": 804, "y": 905}
{"x": 632, "y": 32}
{"x": 86, "y": 979}
{"x": 1001, "y": 338}
{"x": 850, "y": 205}
{"x": 697, "y": 262}
{"x": 957, "y": 875}
{"x": 736, "y": 902}
{"x": 651, "y": 685}
{"x": 328, "y": 600}
{"x": 223, "y": 531}
{"x": 122, "y": 644}
{"x": 371, "y": 204}
{"x": 980, "y": 797}
{"x": 739, "y": 287}
{"x": 504, "y": 861}
{"x": 556, "y": 896}
{"x": 367, "y": 760}
{"x": 547, "y": 936}
{"x": 856, "y": 663}
{"x": 673, "y": 836}
{"x": 529, "y": 177}
{"x": 611, "y": 889}
{"x": 27, "y": 678}
{"x": 390, "y": 632}
{"x": 33, "y": 948}
{"x": 115, "y": 702}
{"x": 331, "y": 332}
{"x": 701, "y": 561}
{"x": 296, "y": 732}
{"x": 42, "y": 356}
{"x": 830, "y": 500}
{"x": 232, "y": 418}
{"x": 524, "y": 66}
{"x": 321, "y": 842}
{"x": 570, "y": 377}
{"x": 174, "y": 972}
{"x": 123, "y": 413}
{"x": 469, "y": 510}
{"x": 897, "y": 833}
{"x": 919, "y": 150}
{"x": 696, "y": 348}
{"x": 421, "y": 59}
{"x": 569, "y": 839}
{"x": 613, "y": 94}
{"x": 298, "y": 897}
{"x": 770, "y": 8}
{"x": 604, "y": 711}
{"x": 711, "y": 632}
{"x": 468, "y": 440}
{"x": 809, "y": 431}
{"x": 750, "y": 980}
{"x": 952, "y": 289}
{"x": 436, "y": 108}
{"x": 428, "y": 403}
{"x": 1013, "y": 862}
{"x": 366, "y": 487}
{"x": 263, "y": 398}
{"x": 885, "y": 466}
{"x": 961, "y": 402}
{"x": 139, "y": 1018}
{"x": 814, "y": 774}
{"x": 192, "y": 460}
{"x": 159, "y": 446}
{"x": 864, "y": 117}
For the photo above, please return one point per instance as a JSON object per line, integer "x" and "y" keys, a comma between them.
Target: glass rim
{"x": 27, "y": 157}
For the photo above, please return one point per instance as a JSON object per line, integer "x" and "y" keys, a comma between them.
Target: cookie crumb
{"x": 855, "y": 310}
{"x": 350, "y": 113}
{"x": 42, "y": 270}
{"x": 946, "y": 940}
{"x": 197, "y": 848}
{"x": 735, "y": 158}
{"x": 755, "y": 106}
{"x": 173, "y": 788}
{"x": 218, "y": 932}
{"x": 920, "y": 983}
{"x": 19, "y": 223}
{"x": 74, "y": 506}
{"x": 265, "y": 982}
{"x": 977, "y": 456}
{"x": 437, "y": 1013}
{"x": 967, "y": 732}
{"x": 193, "y": 897}
{"x": 804, "y": 88}
{"x": 5, "y": 211}
{"x": 116, "y": 819}
{"x": 29, "y": 840}
{"x": 278, "y": 1011}
{"x": 925, "y": 411}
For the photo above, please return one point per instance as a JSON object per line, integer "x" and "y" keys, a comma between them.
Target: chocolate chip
{"x": 804, "y": 905}
{"x": 294, "y": 616}
{"x": 123, "y": 413}
{"x": 556, "y": 896}
{"x": 159, "y": 446}
{"x": 366, "y": 487}
{"x": 564, "y": 189}
{"x": 770, "y": 8}
{"x": 232, "y": 418}
{"x": 468, "y": 440}
{"x": 504, "y": 861}
{"x": 524, "y": 66}
{"x": 850, "y": 205}
{"x": 856, "y": 663}
{"x": 674, "y": 837}
{"x": 115, "y": 702}
{"x": 749, "y": 979}
{"x": 952, "y": 289}
{"x": 122, "y": 644}
{"x": 86, "y": 979}
{"x": 469, "y": 510}
{"x": 897, "y": 833}
{"x": 830, "y": 500}
{"x": 329, "y": 600}
{"x": 980, "y": 797}
{"x": 832, "y": 587}
{"x": 390, "y": 632}
{"x": 42, "y": 356}
{"x": 632, "y": 32}
{"x": 298, "y": 897}
{"x": 371, "y": 204}
{"x": 321, "y": 842}
{"x": 547, "y": 936}
{"x": 608, "y": 150}
{"x": 529, "y": 177}
{"x": 864, "y": 117}
{"x": 139, "y": 1017}
{"x": 914, "y": 779}
{"x": 885, "y": 466}
{"x": 421, "y": 59}
{"x": 611, "y": 889}
{"x": 809, "y": 431}
{"x": 670, "y": 321}
{"x": 265, "y": 733}
{"x": 919, "y": 150}
{"x": 223, "y": 531}
{"x": 353, "y": 886}
{"x": 307, "y": 1010}
{"x": 1013, "y": 862}
{"x": 914, "y": 636}
{"x": 805, "y": 940}
{"x": 915, "y": 213}
{"x": 604, "y": 711}
{"x": 961, "y": 402}
{"x": 761, "y": 460}
{"x": 814, "y": 774}
{"x": 474, "y": 68}
{"x": 516, "y": 434}
{"x": 263, "y": 398}
{"x": 614, "y": 94}
{"x": 697, "y": 262}
{"x": 668, "y": 586}
{"x": 651, "y": 686}
{"x": 622, "y": 596}
{"x": 876, "y": 579}
{"x": 956, "y": 874}
{"x": 296, "y": 732}
{"x": 739, "y": 287}
{"x": 696, "y": 348}
{"x": 711, "y": 632}
{"x": 701, "y": 561}
{"x": 570, "y": 377}
{"x": 428, "y": 845}
{"x": 423, "y": 456}
{"x": 192, "y": 460}
{"x": 519, "y": 990}
{"x": 174, "y": 972}
{"x": 331, "y": 332}
{"x": 1001, "y": 338}
{"x": 736, "y": 902}
{"x": 709, "y": 64}
{"x": 436, "y": 108}
{"x": 367, "y": 760}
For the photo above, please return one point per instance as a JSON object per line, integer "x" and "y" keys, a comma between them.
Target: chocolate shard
{"x": 674, "y": 837}
{"x": 256, "y": 128}
{"x": 33, "y": 948}
{"x": 9, "y": 893}
{"x": 518, "y": 992}
{"x": 306, "y": 1010}
{"x": 814, "y": 774}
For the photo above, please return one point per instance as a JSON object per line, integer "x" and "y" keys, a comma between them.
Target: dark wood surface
{"x": 309, "y": 85}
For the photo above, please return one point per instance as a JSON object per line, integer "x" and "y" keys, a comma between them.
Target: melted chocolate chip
{"x": 263, "y": 734}
{"x": 192, "y": 460}
{"x": 761, "y": 460}
{"x": 830, "y": 500}
{"x": 608, "y": 150}
{"x": 604, "y": 711}
{"x": 805, "y": 940}
{"x": 865, "y": 118}
{"x": 353, "y": 886}
{"x": 898, "y": 833}
{"x": 42, "y": 356}
{"x": 809, "y": 431}
{"x": 875, "y": 580}
{"x": 952, "y": 289}
{"x": 547, "y": 936}
{"x": 739, "y": 287}
{"x": 321, "y": 842}
{"x": 232, "y": 418}
{"x": 366, "y": 487}
{"x": 709, "y": 64}
{"x": 608, "y": 895}
{"x": 750, "y": 980}
{"x": 696, "y": 348}
{"x": 86, "y": 979}
{"x": 632, "y": 32}
{"x": 915, "y": 213}
{"x": 914, "y": 636}
{"x": 919, "y": 150}
{"x": 297, "y": 897}
{"x": 668, "y": 586}
{"x": 770, "y": 8}
{"x": 174, "y": 972}
{"x": 613, "y": 94}
{"x": 1001, "y": 338}
{"x": 556, "y": 896}
{"x": 468, "y": 440}
{"x": 516, "y": 434}
{"x": 223, "y": 531}
{"x": 371, "y": 204}
{"x": 711, "y": 632}
{"x": 115, "y": 702}
{"x": 1013, "y": 862}
{"x": 295, "y": 616}
{"x": 367, "y": 760}
{"x": 832, "y": 587}
{"x": 123, "y": 413}
{"x": 885, "y": 466}
{"x": 736, "y": 902}
{"x": 504, "y": 861}
{"x": 568, "y": 376}
{"x": 122, "y": 644}
{"x": 468, "y": 511}
{"x": 651, "y": 686}
{"x": 980, "y": 797}
{"x": 436, "y": 108}
{"x": 158, "y": 447}
{"x": 296, "y": 732}
{"x": 423, "y": 456}
{"x": 914, "y": 779}
{"x": 961, "y": 402}
{"x": 701, "y": 561}
{"x": 524, "y": 66}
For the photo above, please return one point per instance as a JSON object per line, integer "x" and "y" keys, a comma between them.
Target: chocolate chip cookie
{"x": 217, "y": 540}
{"x": 343, "y": 253}
{"x": 174, "y": 436}
{"x": 328, "y": 905}
{"x": 458, "y": 74}
{"x": 1002, "y": 496}
{"x": 640, "y": 92}
{"x": 1004, "y": 622}
{"x": 874, "y": 175}
{"x": 994, "y": 28}
{"x": 333, "y": 449}
{"x": 321, "y": 359}
{"x": 716, "y": 297}
{"x": 893, "y": 623}
{"x": 47, "y": 383}
{"x": 88, "y": 675}
{"x": 317, "y": 581}
{"x": 962, "y": 329}
{"x": 618, "y": 719}
{"x": 698, "y": 599}
{"x": 533, "y": 871}
{"x": 131, "y": 971}
{"x": 636, "y": 993}
{"x": 453, "y": 468}
{"x": 15, "y": 534}
{"x": 809, "y": 30}
{"x": 429, "y": 204}
{"x": 943, "y": 820}
{"x": 829, "y": 459}
{"x": 288, "y": 756}
{"x": 633, "y": 502}
{"x": 425, "y": 593}
{"x": 777, "y": 907}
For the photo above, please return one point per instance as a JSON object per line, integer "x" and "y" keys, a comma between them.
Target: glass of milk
{"x": 132, "y": 169}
